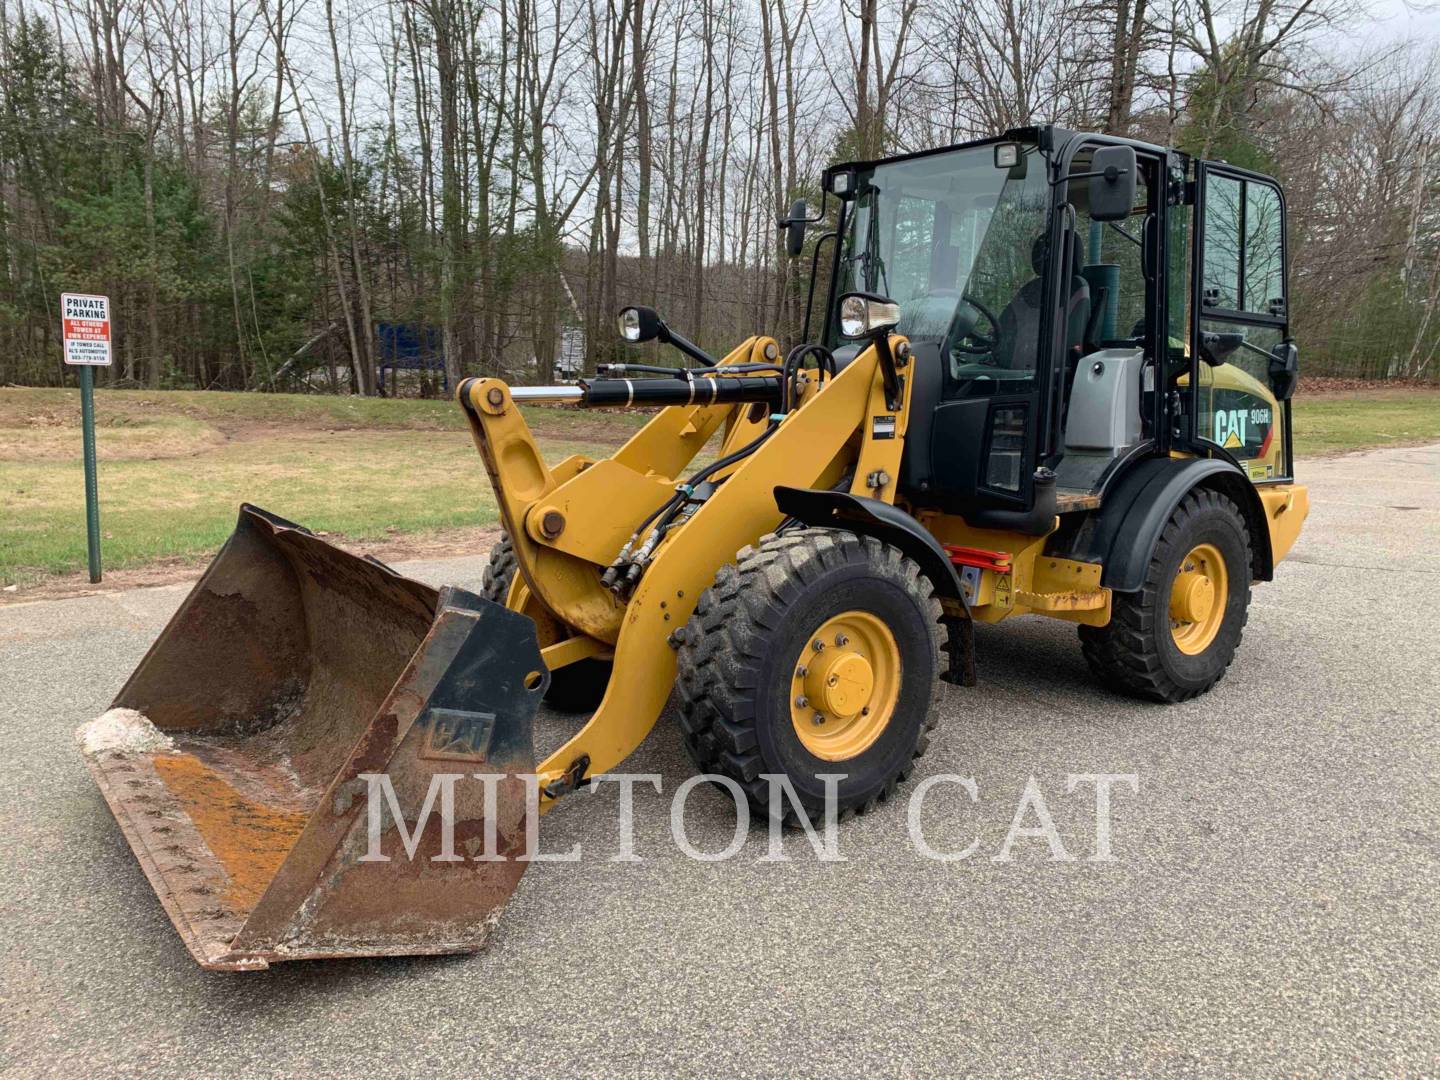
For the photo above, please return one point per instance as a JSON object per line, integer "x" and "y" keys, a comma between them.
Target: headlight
{"x": 862, "y": 314}
{"x": 852, "y": 316}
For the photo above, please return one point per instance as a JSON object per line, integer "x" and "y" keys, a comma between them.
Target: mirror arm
{"x": 889, "y": 374}
{"x": 666, "y": 336}
{"x": 1133, "y": 239}
{"x": 1256, "y": 350}
{"x": 1106, "y": 173}
{"x": 785, "y": 222}
{"x": 820, "y": 214}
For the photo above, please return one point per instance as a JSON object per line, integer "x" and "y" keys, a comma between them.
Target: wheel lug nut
{"x": 801, "y": 672}
{"x": 817, "y": 644}
{"x": 819, "y": 718}
{"x": 841, "y": 640}
{"x": 802, "y": 702}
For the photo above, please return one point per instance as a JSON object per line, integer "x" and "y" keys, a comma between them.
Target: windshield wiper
{"x": 874, "y": 282}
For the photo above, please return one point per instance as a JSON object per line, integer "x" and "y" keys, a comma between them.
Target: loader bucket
{"x": 251, "y": 757}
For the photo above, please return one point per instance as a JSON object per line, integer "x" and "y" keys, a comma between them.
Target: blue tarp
{"x": 411, "y": 347}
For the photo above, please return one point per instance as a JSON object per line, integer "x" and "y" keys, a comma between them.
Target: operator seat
{"x": 1019, "y": 338}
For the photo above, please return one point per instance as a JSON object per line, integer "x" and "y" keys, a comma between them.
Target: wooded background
{"x": 258, "y": 184}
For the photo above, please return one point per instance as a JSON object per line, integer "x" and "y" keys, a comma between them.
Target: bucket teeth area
{"x": 249, "y": 838}
{"x": 238, "y": 757}
{"x": 197, "y": 891}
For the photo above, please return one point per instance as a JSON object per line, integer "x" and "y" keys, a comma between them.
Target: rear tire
{"x": 575, "y": 688}
{"x": 1160, "y": 645}
{"x": 754, "y": 630}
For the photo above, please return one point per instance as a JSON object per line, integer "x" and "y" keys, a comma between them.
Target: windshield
{"x": 959, "y": 244}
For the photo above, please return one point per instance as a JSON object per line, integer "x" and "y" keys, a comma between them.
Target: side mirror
{"x": 865, "y": 314}
{"x": 1284, "y": 370}
{"x": 1112, "y": 183}
{"x": 639, "y": 324}
{"x": 1216, "y": 349}
{"x": 794, "y": 227}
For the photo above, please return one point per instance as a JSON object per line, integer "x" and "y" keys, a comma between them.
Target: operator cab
{"x": 1043, "y": 279}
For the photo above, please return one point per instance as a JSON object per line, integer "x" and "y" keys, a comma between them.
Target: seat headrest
{"x": 1040, "y": 250}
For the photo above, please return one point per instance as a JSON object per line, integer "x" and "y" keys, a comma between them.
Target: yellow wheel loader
{"x": 1050, "y": 375}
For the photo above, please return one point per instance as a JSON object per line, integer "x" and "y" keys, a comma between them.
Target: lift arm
{"x": 813, "y": 446}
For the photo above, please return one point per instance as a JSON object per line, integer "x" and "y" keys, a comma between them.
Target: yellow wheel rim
{"x": 844, "y": 685}
{"x": 1198, "y": 599}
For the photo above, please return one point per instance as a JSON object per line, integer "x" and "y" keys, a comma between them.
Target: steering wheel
{"x": 970, "y": 340}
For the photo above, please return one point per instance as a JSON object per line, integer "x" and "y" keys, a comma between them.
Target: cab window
{"x": 1113, "y": 269}
{"x": 1243, "y": 298}
{"x": 1244, "y": 250}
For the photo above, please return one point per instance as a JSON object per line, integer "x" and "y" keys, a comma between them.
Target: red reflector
{"x": 985, "y": 560}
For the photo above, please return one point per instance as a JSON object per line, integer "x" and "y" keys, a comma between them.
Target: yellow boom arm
{"x": 568, "y": 523}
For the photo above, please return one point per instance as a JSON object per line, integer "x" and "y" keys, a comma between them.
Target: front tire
{"x": 575, "y": 688}
{"x": 757, "y": 697}
{"x": 1174, "y": 638}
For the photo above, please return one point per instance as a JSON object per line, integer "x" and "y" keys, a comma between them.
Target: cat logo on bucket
{"x": 456, "y": 735}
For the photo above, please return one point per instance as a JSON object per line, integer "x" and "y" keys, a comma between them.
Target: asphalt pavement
{"x": 1271, "y": 907}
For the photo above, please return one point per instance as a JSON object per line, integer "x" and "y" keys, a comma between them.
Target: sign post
{"x": 85, "y": 329}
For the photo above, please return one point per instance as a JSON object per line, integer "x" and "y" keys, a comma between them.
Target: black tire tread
{"x": 1124, "y": 655}
{"x": 726, "y": 639}
{"x": 499, "y": 571}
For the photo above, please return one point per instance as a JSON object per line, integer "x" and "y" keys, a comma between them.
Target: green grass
{"x": 175, "y": 466}
{"x": 128, "y": 408}
{"x": 1332, "y": 424}
{"x": 361, "y": 486}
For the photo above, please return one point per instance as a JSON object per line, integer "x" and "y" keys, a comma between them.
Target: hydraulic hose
{"x": 622, "y": 369}
{"x": 824, "y": 359}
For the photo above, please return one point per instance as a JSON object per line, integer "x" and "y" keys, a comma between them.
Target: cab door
{"x": 977, "y": 334}
{"x": 1240, "y": 287}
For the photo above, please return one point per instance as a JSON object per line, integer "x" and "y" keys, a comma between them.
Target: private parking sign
{"x": 85, "y": 327}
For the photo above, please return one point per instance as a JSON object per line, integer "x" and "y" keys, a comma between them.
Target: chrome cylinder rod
{"x": 547, "y": 393}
